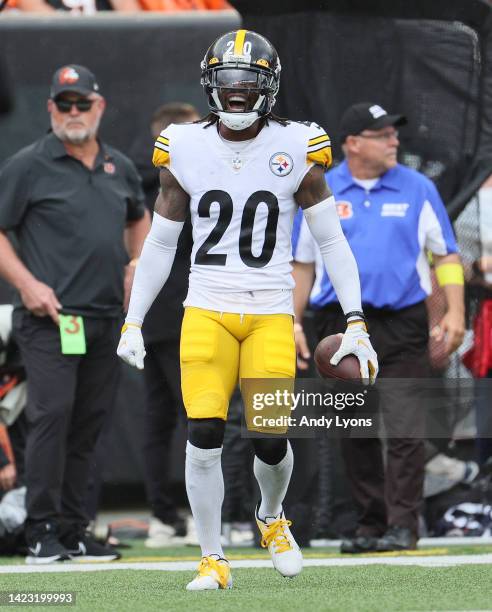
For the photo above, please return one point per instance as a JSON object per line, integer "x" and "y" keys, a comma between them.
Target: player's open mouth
{"x": 237, "y": 102}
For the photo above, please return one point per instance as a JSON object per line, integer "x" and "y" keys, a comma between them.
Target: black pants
{"x": 392, "y": 494}
{"x": 164, "y": 404}
{"x": 68, "y": 397}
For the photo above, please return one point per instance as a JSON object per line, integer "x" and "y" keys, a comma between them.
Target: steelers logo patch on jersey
{"x": 281, "y": 164}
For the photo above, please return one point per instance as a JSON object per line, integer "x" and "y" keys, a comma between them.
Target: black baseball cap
{"x": 367, "y": 116}
{"x": 73, "y": 78}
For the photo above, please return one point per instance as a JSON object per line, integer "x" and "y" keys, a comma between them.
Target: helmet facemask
{"x": 239, "y": 95}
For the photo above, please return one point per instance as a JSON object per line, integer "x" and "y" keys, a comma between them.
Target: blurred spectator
{"x": 67, "y": 199}
{"x": 12, "y": 439}
{"x": 12, "y": 403}
{"x": 390, "y": 216}
{"x": 171, "y": 112}
{"x": 89, "y": 7}
{"x": 162, "y": 329}
{"x": 8, "y": 473}
{"x": 479, "y": 288}
{"x": 184, "y": 5}
{"x": 82, "y": 7}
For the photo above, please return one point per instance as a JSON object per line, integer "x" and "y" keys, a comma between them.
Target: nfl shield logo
{"x": 281, "y": 164}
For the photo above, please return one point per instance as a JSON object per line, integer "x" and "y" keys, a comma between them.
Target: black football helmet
{"x": 241, "y": 77}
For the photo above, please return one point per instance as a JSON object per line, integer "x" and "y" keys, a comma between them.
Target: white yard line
{"x": 173, "y": 566}
{"x": 433, "y": 542}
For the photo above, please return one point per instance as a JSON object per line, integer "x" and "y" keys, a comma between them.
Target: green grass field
{"x": 370, "y": 588}
{"x": 378, "y": 588}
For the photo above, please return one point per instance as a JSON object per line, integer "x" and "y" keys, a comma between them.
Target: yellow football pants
{"x": 217, "y": 349}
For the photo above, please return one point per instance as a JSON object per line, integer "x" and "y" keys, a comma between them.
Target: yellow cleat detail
{"x": 274, "y": 533}
{"x": 212, "y": 574}
{"x": 277, "y": 537}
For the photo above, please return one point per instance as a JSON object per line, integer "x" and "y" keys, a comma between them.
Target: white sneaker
{"x": 160, "y": 535}
{"x": 276, "y": 536}
{"x": 213, "y": 573}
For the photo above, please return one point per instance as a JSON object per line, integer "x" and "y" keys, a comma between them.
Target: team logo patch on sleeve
{"x": 281, "y": 164}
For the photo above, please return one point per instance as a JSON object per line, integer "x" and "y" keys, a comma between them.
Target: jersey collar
{"x": 55, "y": 147}
{"x": 57, "y": 150}
{"x": 389, "y": 180}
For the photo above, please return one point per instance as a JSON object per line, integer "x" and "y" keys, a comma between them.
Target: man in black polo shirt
{"x": 68, "y": 198}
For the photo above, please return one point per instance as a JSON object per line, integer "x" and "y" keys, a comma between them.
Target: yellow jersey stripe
{"x": 163, "y": 139}
{"x": 322, "y": 145}
{"x": 160, "y": 158}
{"x": 162, "y": 147}
{"x": 318, "y": 139}
{"x": 321, "y": 157}
{"x": 239, "y": 42}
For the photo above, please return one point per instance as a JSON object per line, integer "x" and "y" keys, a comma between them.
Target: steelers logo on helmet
{"x": 281, "y": 164}
{"x": 241, "y": 77}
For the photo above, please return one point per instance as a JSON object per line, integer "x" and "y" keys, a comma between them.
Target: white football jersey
{"x": 242, "y": 204}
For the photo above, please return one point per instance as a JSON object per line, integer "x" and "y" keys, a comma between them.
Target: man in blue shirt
{"x": 392, "y": 216}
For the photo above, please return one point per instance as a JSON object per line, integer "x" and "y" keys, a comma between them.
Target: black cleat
{"x": 44, "y": 546}
{"x": 397, "y": 538}
{"x": 82, "y": 546}
{"x": 359, "y": 544}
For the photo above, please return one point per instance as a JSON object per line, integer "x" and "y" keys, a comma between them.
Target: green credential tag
{"x": 72, "y": 335}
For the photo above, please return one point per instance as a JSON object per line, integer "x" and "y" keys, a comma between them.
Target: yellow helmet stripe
{"x": 239, "y": 42}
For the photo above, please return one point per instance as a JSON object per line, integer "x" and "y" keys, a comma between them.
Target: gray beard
{"x": 76, "y": 139}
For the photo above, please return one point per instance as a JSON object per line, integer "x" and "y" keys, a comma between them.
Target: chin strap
{"x": 238, "y": 121}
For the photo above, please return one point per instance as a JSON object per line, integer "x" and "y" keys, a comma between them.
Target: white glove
{"x": 131, "y": 347}
{"x": 356, "y": 342}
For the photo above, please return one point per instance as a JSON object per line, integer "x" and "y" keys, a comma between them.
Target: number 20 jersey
{"x": 241, "y": 201}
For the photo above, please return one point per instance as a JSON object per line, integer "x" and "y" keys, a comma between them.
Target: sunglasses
{"x": 83, "y": 105}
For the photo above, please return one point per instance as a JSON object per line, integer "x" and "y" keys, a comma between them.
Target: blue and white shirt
{"x": 389, "y": 228}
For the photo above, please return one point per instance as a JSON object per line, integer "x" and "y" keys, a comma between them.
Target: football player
{"x": 242, "y": 172}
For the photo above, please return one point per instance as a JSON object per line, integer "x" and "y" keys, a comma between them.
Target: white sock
{"x": 273, "y": 481}
{"x": 205, "y": 488}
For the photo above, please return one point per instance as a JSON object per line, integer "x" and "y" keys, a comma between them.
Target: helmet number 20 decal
{"x": 246, "y": 47}
{"x": 203, "y": 257}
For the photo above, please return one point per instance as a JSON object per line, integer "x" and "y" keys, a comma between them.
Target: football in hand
{"x": 347, "y": 369}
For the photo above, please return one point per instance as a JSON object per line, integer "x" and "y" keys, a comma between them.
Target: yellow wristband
{"x": 450, "y": 274}
{"x": 127, "y": 325}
